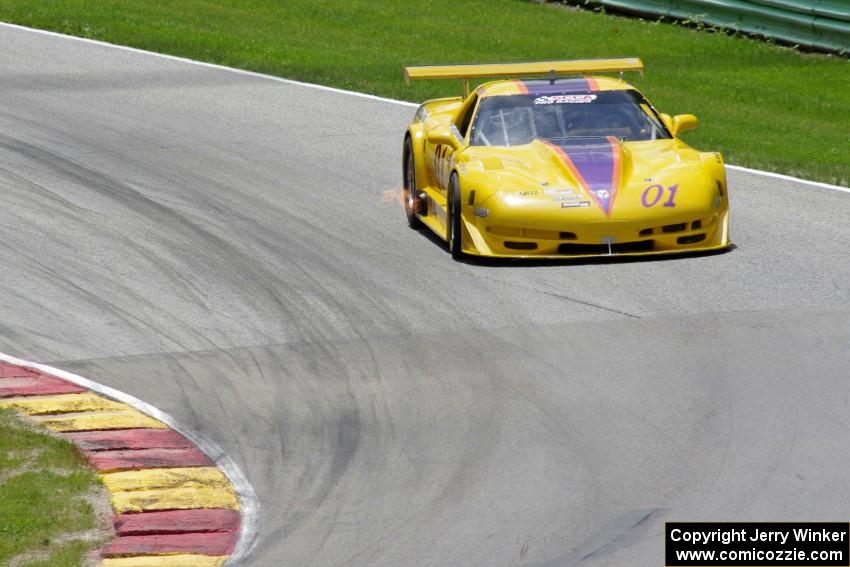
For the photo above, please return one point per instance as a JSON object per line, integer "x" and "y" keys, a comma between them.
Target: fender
{"x": 416, "y": 133}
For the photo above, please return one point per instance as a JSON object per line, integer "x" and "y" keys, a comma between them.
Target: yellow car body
{"x": 597, "y": 172}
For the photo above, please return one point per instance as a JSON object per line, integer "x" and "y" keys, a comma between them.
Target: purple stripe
{"x": 594, "y": 160}
{"x": 561, "y": 86}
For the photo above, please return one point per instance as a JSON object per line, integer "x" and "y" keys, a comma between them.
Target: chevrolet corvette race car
{"x": 564, "y": 166}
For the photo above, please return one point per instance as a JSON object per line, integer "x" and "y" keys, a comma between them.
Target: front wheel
{"x": 454, "y": 228}
{"x": 413, "y": 204}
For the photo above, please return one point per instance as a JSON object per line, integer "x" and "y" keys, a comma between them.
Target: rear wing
{"x": 550, "y": 69}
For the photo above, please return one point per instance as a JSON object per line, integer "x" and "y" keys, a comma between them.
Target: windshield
{"x": 519, "y": 119}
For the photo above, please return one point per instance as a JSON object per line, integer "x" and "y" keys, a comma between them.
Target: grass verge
{"x": 763, "y": 106}
{"x": 45, "y": 516}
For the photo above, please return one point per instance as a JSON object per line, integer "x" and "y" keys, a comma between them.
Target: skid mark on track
{"x": 619, "y": 533}
{"x": 566, "y": 297}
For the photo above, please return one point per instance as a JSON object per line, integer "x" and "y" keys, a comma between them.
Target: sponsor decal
{"x": 526, "y": 193}
{"x": 480, "y": 212}
{"x": 558, "y": 192}
{"x": 565, "y": 99}
{"x": 575, "y": 204}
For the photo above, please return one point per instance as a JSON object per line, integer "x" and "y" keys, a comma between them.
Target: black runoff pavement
{"x": 222, "y": 247}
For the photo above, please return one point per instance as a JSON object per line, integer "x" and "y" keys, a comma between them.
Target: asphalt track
{"x": 221, "y": 246}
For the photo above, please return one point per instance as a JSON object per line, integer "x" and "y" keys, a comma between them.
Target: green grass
{"x": 43, "y": 483}
{"x": 763, "y": 106}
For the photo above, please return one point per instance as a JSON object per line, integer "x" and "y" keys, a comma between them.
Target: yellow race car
{"x": 560, "y": 166}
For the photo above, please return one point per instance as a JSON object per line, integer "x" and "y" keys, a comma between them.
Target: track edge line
{"x": 209, "y": 65}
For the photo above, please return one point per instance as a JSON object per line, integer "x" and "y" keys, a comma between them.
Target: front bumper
{"x": 694, "y": 232}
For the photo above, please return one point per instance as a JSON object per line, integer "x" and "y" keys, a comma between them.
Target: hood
{"x": 602, "y": 169}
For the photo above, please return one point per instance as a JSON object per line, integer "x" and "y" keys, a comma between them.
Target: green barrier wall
{"x": 822, "y": 24}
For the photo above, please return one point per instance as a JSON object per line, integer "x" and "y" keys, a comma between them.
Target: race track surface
{"x": 227, "y": 248}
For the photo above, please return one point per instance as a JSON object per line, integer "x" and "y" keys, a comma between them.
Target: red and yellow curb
{"x": 173, "y": 506}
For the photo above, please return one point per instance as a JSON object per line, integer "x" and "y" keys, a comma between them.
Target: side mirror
{"x": 683, "y": 123}
{"x": 446, "y": 134}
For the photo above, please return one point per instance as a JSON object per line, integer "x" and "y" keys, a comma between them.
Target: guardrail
{"x": 819, "y": 24}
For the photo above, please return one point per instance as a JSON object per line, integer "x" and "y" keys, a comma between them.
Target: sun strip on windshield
{"x": 559, "y": 86}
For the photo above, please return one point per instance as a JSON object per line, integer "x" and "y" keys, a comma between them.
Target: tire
{"x": 455, "y": 233}
{"x": 413, "y": 205}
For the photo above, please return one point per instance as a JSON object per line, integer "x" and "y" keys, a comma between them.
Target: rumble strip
{"x": 173, "y": 506}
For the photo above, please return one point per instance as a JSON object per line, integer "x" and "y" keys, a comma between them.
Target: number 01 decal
{"x": 442, "y": 165}
{"x": 654, "y": 193}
